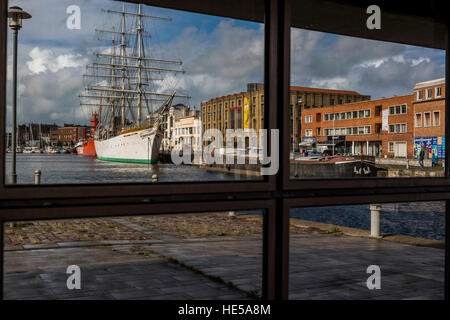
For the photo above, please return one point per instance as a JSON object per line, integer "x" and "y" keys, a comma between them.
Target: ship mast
{"x": 123, "y": 53}
{"x": 123, "y": 67}
{"x": 139, "y": 73}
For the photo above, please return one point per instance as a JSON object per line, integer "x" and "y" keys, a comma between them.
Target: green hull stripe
{"x": 126, "y": 160}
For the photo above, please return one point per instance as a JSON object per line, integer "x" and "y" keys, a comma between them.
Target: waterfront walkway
{"x": 322, "y": 266}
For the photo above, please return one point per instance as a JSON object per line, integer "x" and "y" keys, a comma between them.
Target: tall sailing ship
{"x": 122, "y": 84}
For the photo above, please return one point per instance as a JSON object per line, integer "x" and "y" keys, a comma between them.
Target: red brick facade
{"x": 388, "y": 127}
{"x": 357, "y": 128}
{"x": 67, "y": 135}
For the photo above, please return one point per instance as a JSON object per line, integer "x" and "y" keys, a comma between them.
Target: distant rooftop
{"x": 296, "y": 88}
{"x": 429, "y": 83}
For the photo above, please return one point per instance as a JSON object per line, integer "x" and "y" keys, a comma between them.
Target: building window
{"x": 438, "y": 92}
{"x": 400, "y": 109}
{"x": 427, "y": 119}
{"x": 419, "y": 95}
{"x": 308, "y": 133}
{"x": 308, "y": 119}
{"x": 397, "y": 128}
{"x": 418, "y": 120}
{"x": 232, "y": 119}
{"x": 391, "y": 128}
{"x": 436, "y": 118}
{"x": 367, "y": 113}
{"x": 403, "y": 128}
{"x": 429, "y": 93}
{"x": 391, "y": 147}
{"x": 318, "y": 132}
{"x": 377, "y": 111}
{"x": 239, "y": 119}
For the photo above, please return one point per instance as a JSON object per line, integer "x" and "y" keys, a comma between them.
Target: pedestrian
{"x": 433, "y": 160}
{"x": 421, "y": 156}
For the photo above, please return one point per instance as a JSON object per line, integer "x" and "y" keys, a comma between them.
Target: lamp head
{"x": 16, "y": 15}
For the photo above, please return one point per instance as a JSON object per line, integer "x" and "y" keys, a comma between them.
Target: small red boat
{"x": 87, "y": 147}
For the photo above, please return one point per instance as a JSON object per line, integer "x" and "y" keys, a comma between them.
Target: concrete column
{"x": 375, "y": 226}
{"x": 353, "y": 147}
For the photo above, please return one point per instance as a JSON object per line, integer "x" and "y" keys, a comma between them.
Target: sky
{"x": 220, "y": 56}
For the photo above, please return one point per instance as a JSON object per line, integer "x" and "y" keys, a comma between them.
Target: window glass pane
{"x": 334, "y": 66}
{"x": 336, "y": 254}
{"x": 111, "y": 92}
{"x": 216, "y": 255}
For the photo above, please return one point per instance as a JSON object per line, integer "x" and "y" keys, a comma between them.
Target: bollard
{"x": 375, "y": 226}
{"x": 37, "y": 177}
{"x": 407, "y": 163}
{"x": 155, "y": 178}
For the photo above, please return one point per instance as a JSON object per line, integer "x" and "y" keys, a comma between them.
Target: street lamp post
{"x": 299, "y": 102}
{"x": 15, "y": 15}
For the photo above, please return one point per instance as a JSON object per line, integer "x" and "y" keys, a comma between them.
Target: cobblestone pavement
{"x": 57, "y": 231}
{"x": 321, "y": 267}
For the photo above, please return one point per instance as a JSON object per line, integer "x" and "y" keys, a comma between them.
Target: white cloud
{"x": 415, "y": 62}
{"x": 332, "y": 83}
{"x": 45, "y": 59}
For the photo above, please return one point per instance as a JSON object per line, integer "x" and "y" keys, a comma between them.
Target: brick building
{"x": 67, "y": 135}
{"x": 245, "y": 110}
{"x": 382, "y": 127}
{"x": 429, "y": 117}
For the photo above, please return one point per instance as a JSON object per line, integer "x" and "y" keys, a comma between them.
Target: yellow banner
{"x": 246, "y": 114}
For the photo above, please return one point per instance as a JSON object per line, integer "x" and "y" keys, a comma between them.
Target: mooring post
{"x": 37, "y": 177}
{"x": 375, "y": 225}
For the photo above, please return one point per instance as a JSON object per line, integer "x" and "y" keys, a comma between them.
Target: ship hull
{"x": 87, "y": 149}
{"x": 335, "y": 167}
{"x": 135, "y": 147}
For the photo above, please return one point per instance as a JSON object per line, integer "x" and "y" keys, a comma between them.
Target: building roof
{"x": 293, "y": 88}
{"x": 411, "y": 96}
{"x": 320, "y": 90}
{"x": 429, "y": 83}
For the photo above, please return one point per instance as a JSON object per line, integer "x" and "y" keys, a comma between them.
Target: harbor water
{"x": 417, "y": 219}
{"x": 74, "y": 169}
